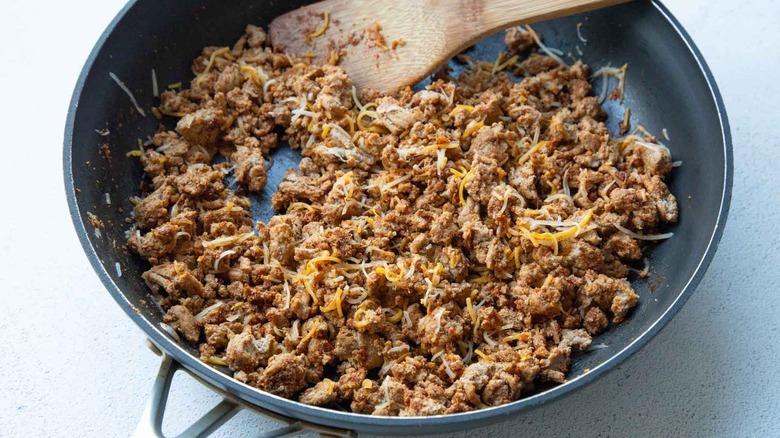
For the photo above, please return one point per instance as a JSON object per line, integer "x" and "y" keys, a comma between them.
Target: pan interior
{"x": 666, "y": 89}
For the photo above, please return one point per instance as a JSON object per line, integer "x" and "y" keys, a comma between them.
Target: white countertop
{"x": 77, "y": 366}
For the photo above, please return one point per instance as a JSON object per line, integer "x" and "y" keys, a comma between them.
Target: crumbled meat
{"x": 245, "y": 352}
{"x": 320, "y": 394}
{"x": 250, "y": 168}
{"x": 181, "y": 319}
{"x": 285, "y": 375}
{"x": 436, "y": 251}
{"x": 518, "y": 41}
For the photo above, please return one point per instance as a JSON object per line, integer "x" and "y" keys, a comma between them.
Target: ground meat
{"x": 444, "y": 228}
{"x": 436, "y": 251}
{"x": 440, "y": 330}
{"x": 362, "y": 350}
{"x": 152, "y": 210}
{"x": 181, "y": 319}
{"x": 394, "y": 117}
{"x": 200, "y": 181}
{"x": 282, "y": 245}
{"x": 518, "y": 41}
{"x": 320, "y": 394}
{"x": 595, "y": 321}
{"x": 615, "y": 295}
{"x": 155, "y": 244}
{"x": 285, "y": 375}
{"x": 535, "y": 64}
{"x": 250, "y": 168}
{"x": 201, "y": 127}
{"x": 484, "y": 383}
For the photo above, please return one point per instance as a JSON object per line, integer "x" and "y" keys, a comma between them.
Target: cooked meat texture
{"x": 436, "y": 251}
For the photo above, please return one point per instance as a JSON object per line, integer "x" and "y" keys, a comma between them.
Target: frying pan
{"x": 669, "y": 86}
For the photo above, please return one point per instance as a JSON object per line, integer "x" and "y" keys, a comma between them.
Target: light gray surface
{"x": 77, "y": 366}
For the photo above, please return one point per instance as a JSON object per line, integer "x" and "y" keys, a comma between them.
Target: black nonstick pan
{"x": 669, "y": 87}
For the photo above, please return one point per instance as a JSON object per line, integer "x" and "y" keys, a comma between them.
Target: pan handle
{"x": 150, "y": 424}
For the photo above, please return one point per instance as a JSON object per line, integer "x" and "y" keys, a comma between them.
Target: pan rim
{"x": 362, "y": 422}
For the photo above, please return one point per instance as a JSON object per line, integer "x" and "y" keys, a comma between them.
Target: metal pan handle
{"x": 151, "y": 421}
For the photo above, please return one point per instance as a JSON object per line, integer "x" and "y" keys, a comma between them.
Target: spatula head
{"x": 383, "y": 45}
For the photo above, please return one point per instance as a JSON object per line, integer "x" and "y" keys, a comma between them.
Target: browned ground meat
{"x": 437, "y": 251}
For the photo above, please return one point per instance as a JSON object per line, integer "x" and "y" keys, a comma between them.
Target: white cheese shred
{"x": 128, "y": 92}
{"x": 547, "y": 50}
{"x": 170, "y": 331}
{"x": 579, "y": 33}
{"x": 155, "y": 87}
{"x": 202, "y": 314}
{"x": 643, "y": 236}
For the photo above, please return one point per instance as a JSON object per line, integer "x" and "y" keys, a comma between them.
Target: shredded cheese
{"x": 335, "y": 304}
{"x": 566, "y": 234}
{"x": 437, "y": 316}
{"x": 224, "y": 254}
{"x": 214, "y": 360}
{"x": 313, "y": 330}
{"x": 407, "y": 318}
{"x": 516, "y": 257}
{"x": 266, "y": 85}
{"x": 213, "y": 58}
{"x": 499, "y": 66}
{"x": 321, "y": 30}
{"x": 447, "y": 369}
{"x": 396, "y": 316}
{"x": 460, "y": 107}
{"x": 128, "y": 92}
{"x": 301, "y": 205}
{"x": 155, "y": 88}
{"x": 227, "y": 240}
{"x": 254, "y": 74}
{"x": 471, "y": 128}
{"x": 365, "y": 111}
{"x": 579, "y": 33}
{"x": 358, "y": 320}
{"x": 469, "y": 354}
{"x": 484, "y": 356}
{"x": 465, "y": 177}
{"x": 522, "y": 337}
{"x": 287, "y": 296}
{"x": 531, "y": 151}
{"x": 294, "y": 333}
{"x": 202, "y": 314}
{"x": 355, "y": 99}
{"x": 643, "y": 236}
{"x": 605, "y": 73}
{"x": 470, "y": 307}
{"x": 391, "y": 276}
{"x": 547, "y": 280}
{"x": 547, "y": 50}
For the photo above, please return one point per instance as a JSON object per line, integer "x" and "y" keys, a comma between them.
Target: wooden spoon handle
{"x": 485, "y": 17}
{"x": 432, "y": 31}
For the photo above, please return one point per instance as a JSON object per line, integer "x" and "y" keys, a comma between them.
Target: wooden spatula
{"x": 386, "y": 44}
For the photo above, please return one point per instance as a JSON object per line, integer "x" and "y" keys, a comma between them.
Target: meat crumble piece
{"x": 518, "y": 41}
{"x": 181, "y": 319}
{"x": 436, "y": 251}
{"x": 285, "y": 375}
